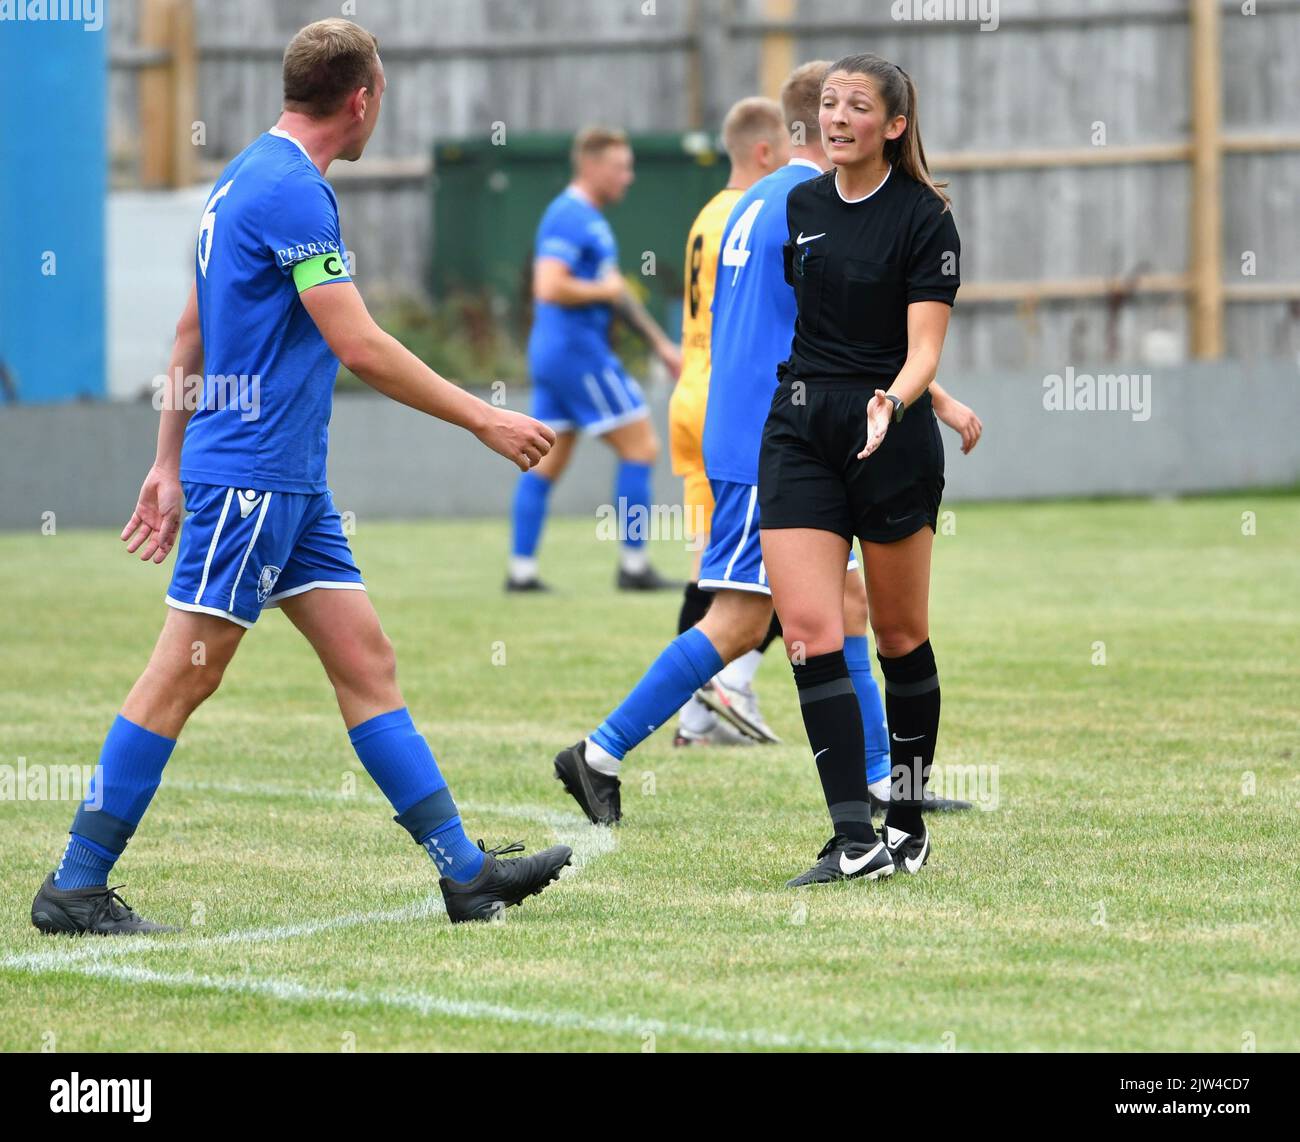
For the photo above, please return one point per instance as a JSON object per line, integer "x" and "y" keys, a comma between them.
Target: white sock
{"x": 880, "y": 789}
{"x": 634, "y": 560}
{"x": 601, "y": 760}
{"x": 739, "y": 675}
{"x": 522, "y": 568}
{"x": 697, "y": 718}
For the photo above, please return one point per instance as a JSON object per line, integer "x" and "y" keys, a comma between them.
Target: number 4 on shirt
{"x": 736, "y": 252}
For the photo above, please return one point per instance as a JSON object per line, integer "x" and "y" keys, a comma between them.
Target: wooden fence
{"x": 1124, "y": 172}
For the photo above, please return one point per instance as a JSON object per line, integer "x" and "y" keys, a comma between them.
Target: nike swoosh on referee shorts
{"x": 819, "y": 753}
{"x": 915, "y": 739}
{"x": 849, "y": 867}
{"x": 802, "y": 241}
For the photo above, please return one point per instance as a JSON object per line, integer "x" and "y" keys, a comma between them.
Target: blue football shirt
{"x": 578, "y": 234}
{"x": 263, "y": 420}
{"x": 754, "y": 314}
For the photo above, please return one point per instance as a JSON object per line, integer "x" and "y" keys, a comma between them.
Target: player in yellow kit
{"x": 757, "y": 142}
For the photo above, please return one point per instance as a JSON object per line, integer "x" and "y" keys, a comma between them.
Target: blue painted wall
{"x": 53, "y": 186}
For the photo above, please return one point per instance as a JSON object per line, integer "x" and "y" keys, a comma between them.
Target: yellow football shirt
{"x": 703, "y": 248}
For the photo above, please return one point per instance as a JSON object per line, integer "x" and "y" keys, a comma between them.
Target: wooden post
{"x": 778, "y": 48}
{"x": 1207, "y": 181}
{"x": 167, "y": 94}
{"x": 184, "y": 86}
{"x": 155, "y": 106}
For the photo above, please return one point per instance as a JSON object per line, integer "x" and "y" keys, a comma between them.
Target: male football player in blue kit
{"x": 274, "y": 308}
{"x": 578, "y": 380}
{"x": 754, "y": 314}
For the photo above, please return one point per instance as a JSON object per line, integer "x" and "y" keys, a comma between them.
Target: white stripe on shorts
{"x": 598, "y": 398}
{"x": 212, "y": 547}
{"x": 744, "y": 538}
{"x": 619, "y": 389}
{"x": 257, "y": 530}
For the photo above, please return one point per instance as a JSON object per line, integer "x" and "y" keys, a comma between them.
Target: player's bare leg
{"x": 806, "y": 571}
{"x": 344, "y": 631}
{"x": 737, "y": 623}
{"x": 359, "y": 661}
{"x": 185, "y": 670}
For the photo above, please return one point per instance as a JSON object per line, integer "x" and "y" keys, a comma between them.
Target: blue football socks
{"x": 129, "y": 772}
{"x": 532, "y": 497}
{"x": 633, "y": 491}
{"x": 875, "y": 731}
{"x": 686, "y": 664}
{"x": 402, "y": 765}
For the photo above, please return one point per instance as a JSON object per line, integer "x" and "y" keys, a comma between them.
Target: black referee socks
{"x": 695, "y": 605}
{"x": 912, "y": 711}
{"x": 774, "y": 632}
{"x": 833, "y": 719}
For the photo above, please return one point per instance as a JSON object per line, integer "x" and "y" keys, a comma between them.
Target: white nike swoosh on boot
{"x": 914, "y": 866}
{"x": 850, "y": 867}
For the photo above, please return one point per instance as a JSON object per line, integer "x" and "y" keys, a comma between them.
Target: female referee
{"x": 851, "y": 448}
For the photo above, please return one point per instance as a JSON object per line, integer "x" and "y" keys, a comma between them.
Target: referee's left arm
{"x": 927, "y": 326}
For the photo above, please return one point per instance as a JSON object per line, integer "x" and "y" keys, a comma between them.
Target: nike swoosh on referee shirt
{"x": 802, "y": 241}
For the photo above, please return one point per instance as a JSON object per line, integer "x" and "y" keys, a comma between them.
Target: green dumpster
{"x": 488, "y": 200}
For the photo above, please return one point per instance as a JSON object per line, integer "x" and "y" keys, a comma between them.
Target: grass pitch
{"x": 1135, "y": 887}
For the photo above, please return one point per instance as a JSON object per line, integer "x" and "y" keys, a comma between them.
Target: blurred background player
{"x": 578, "y": 380}
{"x": 757, "y": 143}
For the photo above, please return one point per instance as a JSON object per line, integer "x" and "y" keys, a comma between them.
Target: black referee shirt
{"x": 856, "y": 266}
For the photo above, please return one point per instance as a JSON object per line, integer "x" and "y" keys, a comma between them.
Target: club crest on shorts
{"x": 266, "y": 582}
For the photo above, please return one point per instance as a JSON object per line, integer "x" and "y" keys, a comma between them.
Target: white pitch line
{"x": 97, "y": 959}
{"x": 588, "y": 844}
{"x": 425, "y": 1004}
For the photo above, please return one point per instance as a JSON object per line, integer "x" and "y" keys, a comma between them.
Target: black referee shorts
{"x": 809, "y": 474}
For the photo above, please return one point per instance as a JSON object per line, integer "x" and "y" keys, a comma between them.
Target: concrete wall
{"x": 1210, "y": 427}
{"x": 151, "y": 237}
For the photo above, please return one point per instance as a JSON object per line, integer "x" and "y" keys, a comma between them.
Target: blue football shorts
{"x": 733, "y": 561}
{"x": 587, "y": 391}
{"x": 242, "y": 550}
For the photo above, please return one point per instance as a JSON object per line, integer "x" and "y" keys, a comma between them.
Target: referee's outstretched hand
{"x": 880, "y": 413}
